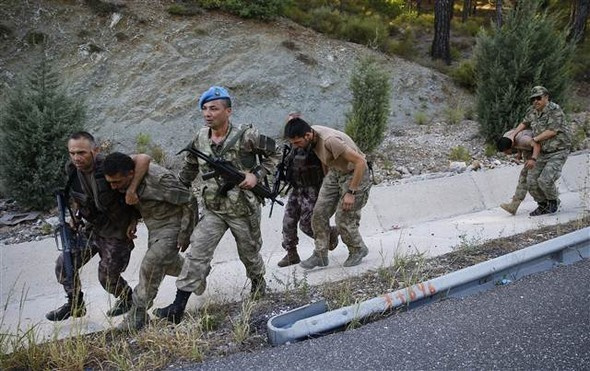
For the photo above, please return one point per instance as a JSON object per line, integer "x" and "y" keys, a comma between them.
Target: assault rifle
{"x": 69, "y": 238}
{"x": 280, "y": 176}
{"x": 231, "y": 176}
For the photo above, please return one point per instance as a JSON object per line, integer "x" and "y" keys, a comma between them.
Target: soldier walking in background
{"x": 523, "y": 145}
{"x": 110, "y": 228}
{"x": 304, "y": 174}
{"x": 236, "y": 208}
{"x": 165, "y": 207}
{"x": 344, "y": 191}
{"x": 547, "y": 122}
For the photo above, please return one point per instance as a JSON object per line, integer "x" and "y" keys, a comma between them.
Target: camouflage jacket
{"x": 550, "y": 118}
{"x": 248, "y": 152}
{"x": 103, "y": 208}
{"x": 163, "y": 202}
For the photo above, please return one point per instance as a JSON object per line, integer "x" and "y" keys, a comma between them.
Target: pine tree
{"x": 35, "y": 123}
{"x": 367, "y": 120}
{"x": 527, "y": 50}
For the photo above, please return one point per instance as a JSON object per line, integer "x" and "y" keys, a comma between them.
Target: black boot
{"x": 258, "y": 289}
{"x": 75, "y": 307}
{"x": 540, "y": 210}
{"x": 552, "y": 206}
{"x": 122, "y": 305}
{"x": 174, "y": 311}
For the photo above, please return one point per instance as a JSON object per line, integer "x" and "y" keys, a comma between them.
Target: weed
{"x": 454, "y": 114}
{"x": 490, "y": 150}
{"x": 241, "y": 327}
{"x": 459, "y": 153}
{"x": 420, "y": 118}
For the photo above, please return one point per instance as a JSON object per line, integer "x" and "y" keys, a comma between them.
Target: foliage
{"x": 527, "y": 51}
{"x": 369, "y": 31}
{"x": 464, "y": 75}
{"x": 35, "y": 123}
{"x": 256, "y": 9}
{"x": 421, "y": 118}
{"x": 459, "y": 153}
{"x": 367, "y": 120}
{"x": 144, "y": 144}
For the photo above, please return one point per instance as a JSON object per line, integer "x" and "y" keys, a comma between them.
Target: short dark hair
{"x": 83, "y": 135}
{"x": 118, "y": 162}
{"x": 503, "y": 144}
{"x": 296, "y": 128}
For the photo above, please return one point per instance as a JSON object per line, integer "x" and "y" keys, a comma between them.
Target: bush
{"x": 367, "y": 120}
{"x": 420, "y": 118}
{"x": 369, "y": 31}
{"x": 325, "y": 20}
{"x": 35, "y": 123}
{"x": 527, "y": 51}
{"x": 459, "y": 153}
{"x": 464, "y": 75}
{"x": 256, "y": 9}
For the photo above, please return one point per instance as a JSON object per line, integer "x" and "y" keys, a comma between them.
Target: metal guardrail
{"x": 314, "y": 319}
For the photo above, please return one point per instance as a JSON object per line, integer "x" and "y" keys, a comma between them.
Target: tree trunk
{"x": 466, "y": 10}
{"x": 441, "y": 49}
{"x": 579, "y": 15}
{"x": 499, "y": 13}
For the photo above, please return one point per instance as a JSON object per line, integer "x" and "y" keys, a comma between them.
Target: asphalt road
{"x": 537, "y": 323}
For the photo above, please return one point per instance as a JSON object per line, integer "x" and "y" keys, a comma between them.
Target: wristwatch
{"x": 352, "y": 192}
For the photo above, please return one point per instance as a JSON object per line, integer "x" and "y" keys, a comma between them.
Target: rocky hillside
{"x": 140, "y": 69}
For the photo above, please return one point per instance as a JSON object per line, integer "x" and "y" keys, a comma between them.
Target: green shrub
{"x": 367, "y": 120}
{"x": 490, "y": 150}
{"x": 454, "y": 114}
{"x": 459, "y": 153}
{"x": 185, "y": 10}
{"x": 404, "y": 45}
{"x": 527, "y": 51}
{"x": 325, "y": 20}
{"x": 420, "y": 118}
{"x": 256, "y": 9}
{"x": 464, "y": 75}
{"x": 144, "y": 144}
{"x": 35, "y": 122}
{"x": 369, "y": 31}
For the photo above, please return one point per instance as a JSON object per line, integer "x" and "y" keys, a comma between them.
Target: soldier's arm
{"x": 360, "y": 163}
{"x": 190, "y": 169}
{"x": 142, "y": 164}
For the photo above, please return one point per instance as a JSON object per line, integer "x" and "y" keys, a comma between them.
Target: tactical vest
{"x": 304, "y": 169}
{"x": 238, "y": 201}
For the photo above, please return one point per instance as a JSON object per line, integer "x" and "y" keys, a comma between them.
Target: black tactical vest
{"x": 304, "y": 168}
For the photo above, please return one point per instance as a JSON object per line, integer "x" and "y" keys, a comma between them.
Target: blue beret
{"x": 214, "y": 93}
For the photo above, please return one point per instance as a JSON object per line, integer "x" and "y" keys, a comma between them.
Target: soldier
{"x": 344, "y": 191}
{"x": 523, "y": 145}
{"x": 165, "y": 206}
{"x": 110, "y": 229}
{"x": 238, "y": 209}
{"x": 304, "y": 174}
{"x": 547, "y": 121}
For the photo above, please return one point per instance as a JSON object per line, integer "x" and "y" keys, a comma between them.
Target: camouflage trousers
{"x": 298, "y": 210}
{"x": 205, "y": 238}
{"x": 114, "y": 257}
{"x": 161, "y": 258}
{"x": 522, "y": 187}
{"x": 541, "y": 179}
{"x": 329, "y": 202}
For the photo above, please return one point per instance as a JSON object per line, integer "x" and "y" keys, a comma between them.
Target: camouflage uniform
{"x": 163, "y": 202}
{"x": 239, "y": 210}
{"x": 554, "y": 151}
{"x": 107, "y": 218}
{"x": 334, "y": 187}
{"x": 304, "y": 174}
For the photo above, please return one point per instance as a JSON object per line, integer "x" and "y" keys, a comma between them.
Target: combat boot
{"x": 511, "y": 206}
{"x": 354, "y": 258}
{"x": 135, "y": 320}
{"x": 122, "y": 305}
{"x": 333, "y": 238}
{"x": 75, "y": 307}
{"x": 258, "y": 289}
{"x": 291, "y": 258}
{"x": 540, "y": 210}
{"x": 315, "y": 261}
{"x": 552, "y": 206}
{"x": 174, "y": 311}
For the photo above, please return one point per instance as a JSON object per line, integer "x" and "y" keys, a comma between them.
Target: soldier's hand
{"x": 132, "y": 230}
{"x": 249, "y": 181}
{"x": 347, "y": 201}
{"x": 131, "y": 197}
{"x": 530, "y": 164}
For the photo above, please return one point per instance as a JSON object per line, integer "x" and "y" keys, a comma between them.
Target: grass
{"x": 459, "y": 153}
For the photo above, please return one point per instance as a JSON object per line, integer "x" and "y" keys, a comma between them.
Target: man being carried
{"x": 164, "y": 205}
{"x": 344, "y": 191}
